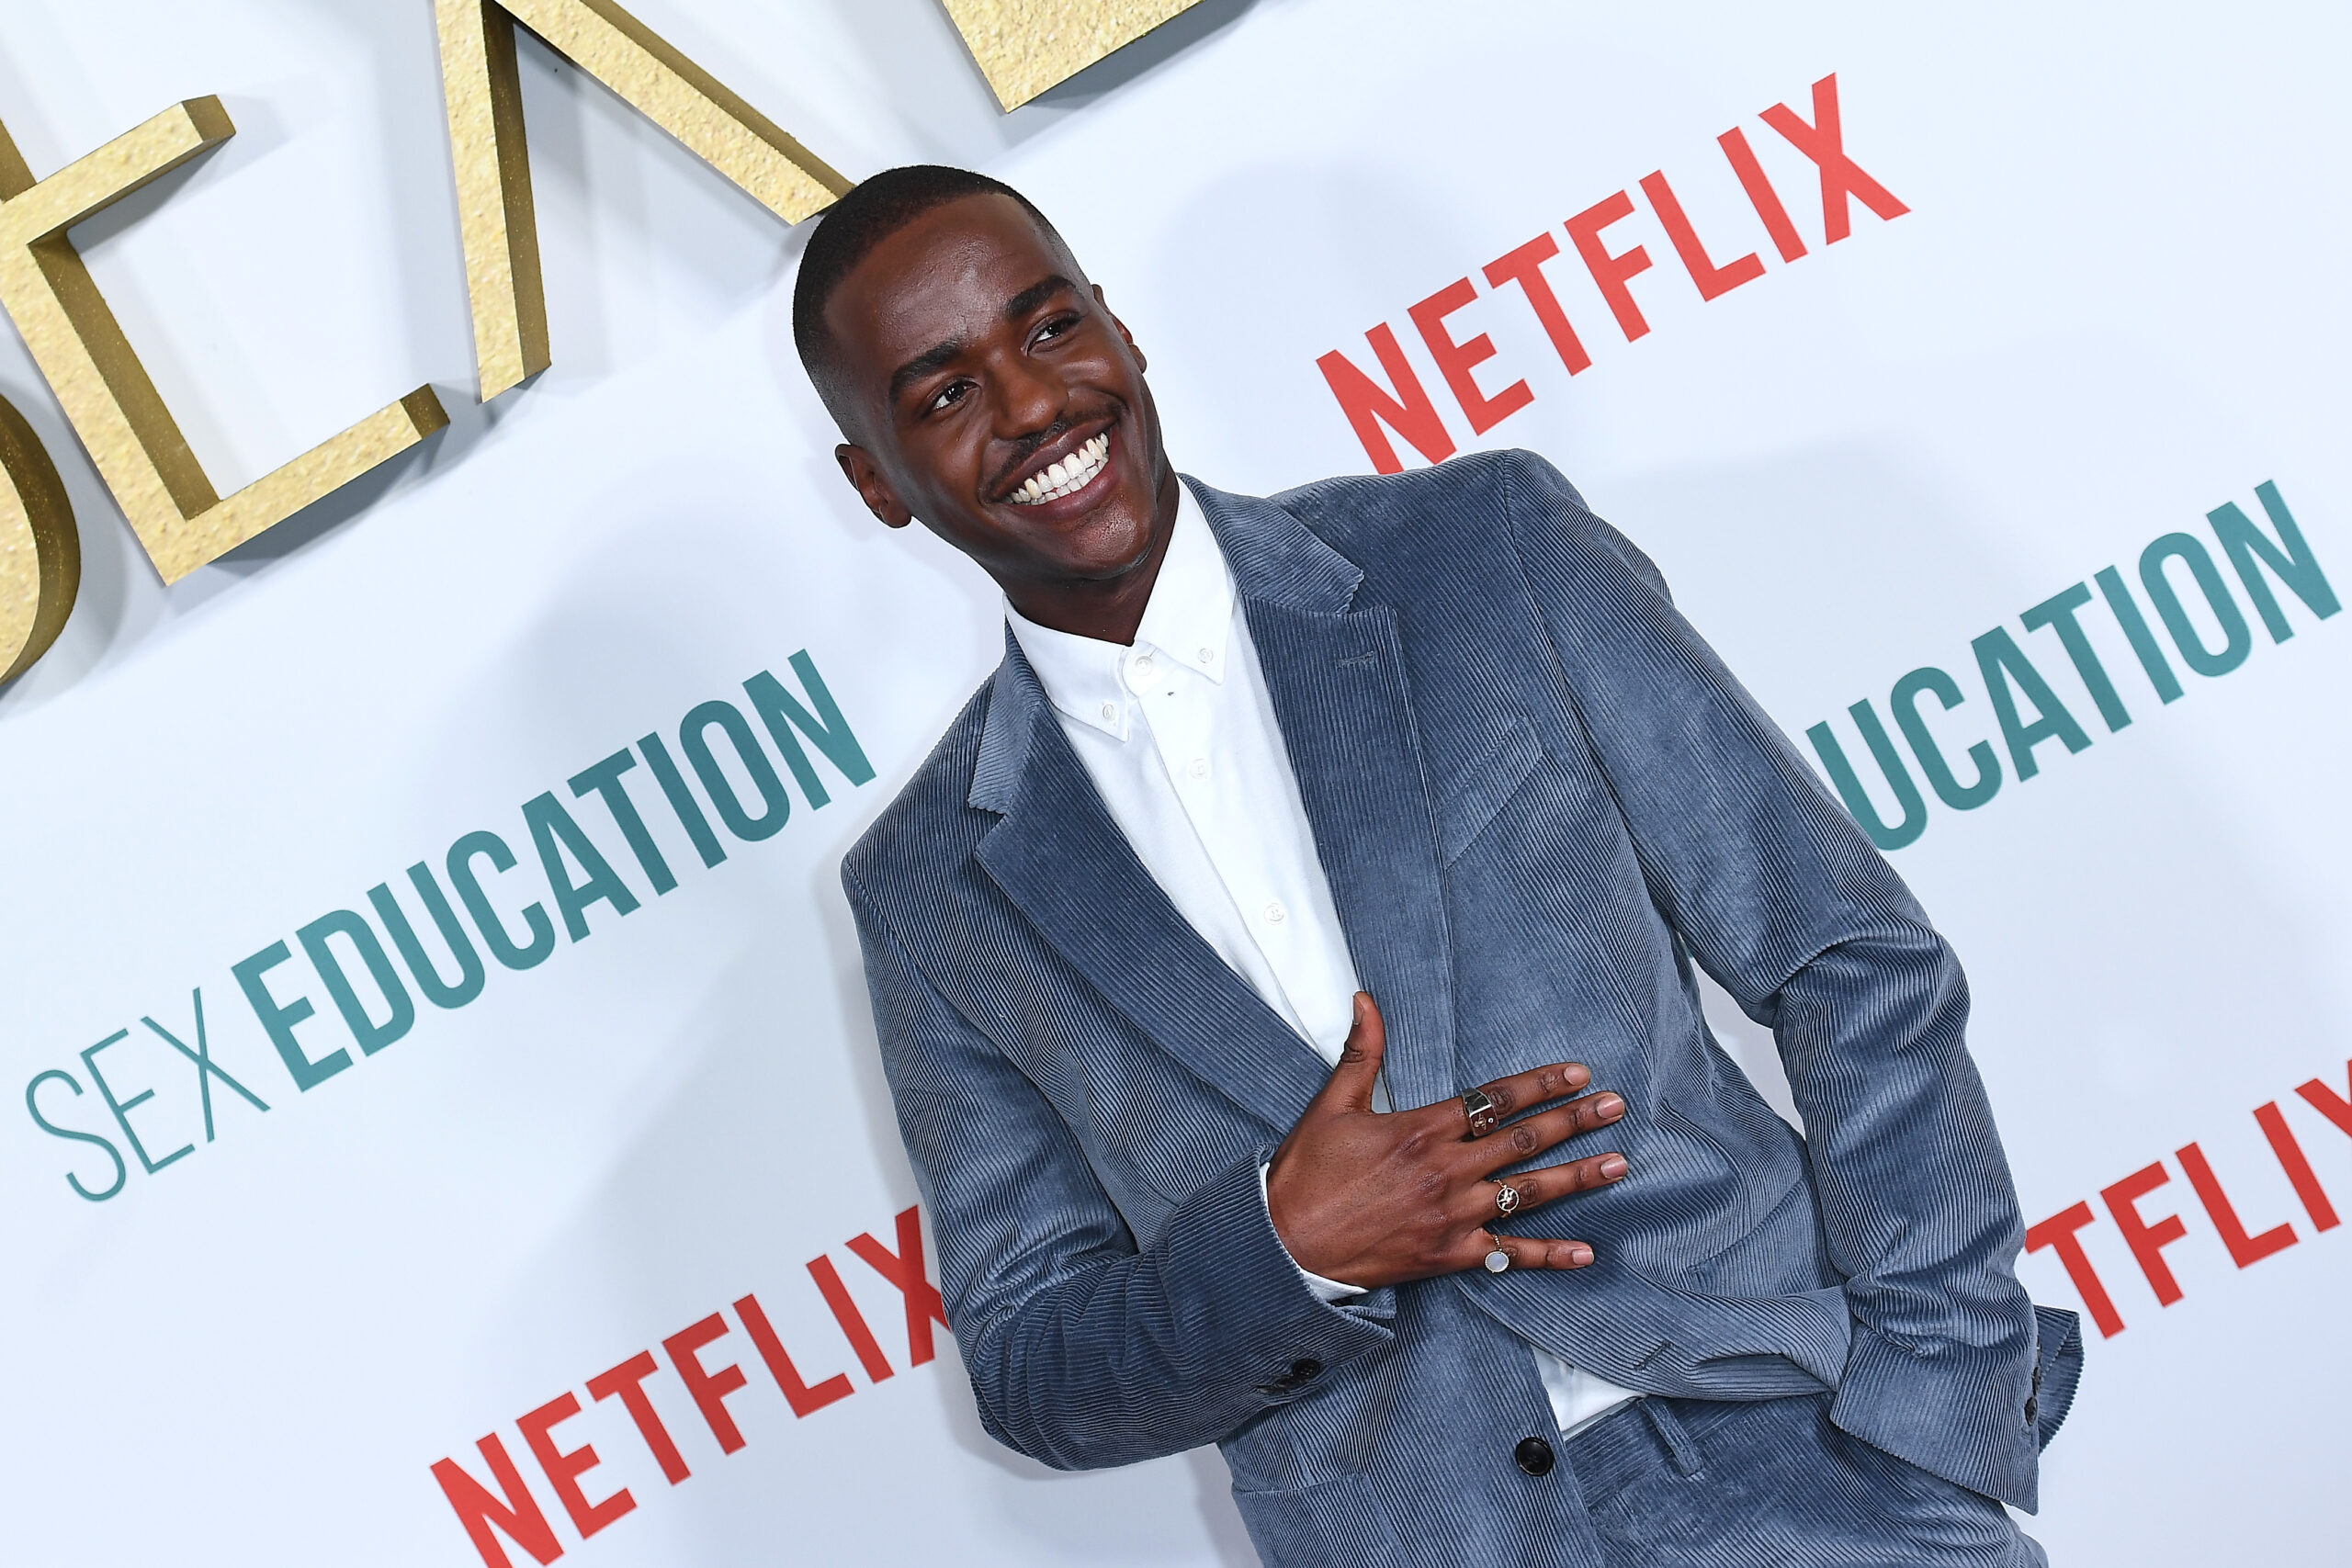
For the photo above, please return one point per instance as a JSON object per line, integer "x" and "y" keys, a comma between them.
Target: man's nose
{"x": 1029, "y": 398}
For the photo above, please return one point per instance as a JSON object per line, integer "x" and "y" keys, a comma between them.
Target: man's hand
{"x": 1370, "y": 1199}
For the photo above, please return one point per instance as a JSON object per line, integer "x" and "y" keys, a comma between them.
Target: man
{"x": 1425, "y": 777}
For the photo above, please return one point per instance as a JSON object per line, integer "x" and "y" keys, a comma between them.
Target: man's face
{"x": 972, "y": 356}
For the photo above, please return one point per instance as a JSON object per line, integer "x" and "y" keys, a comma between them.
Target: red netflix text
{"x": 711, "y": 1370}
{"x": 1405, "y": 405}
{"x": 2129, "y": 1205}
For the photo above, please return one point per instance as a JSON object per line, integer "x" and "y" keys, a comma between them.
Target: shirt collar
{"x": 1188, "y": 621}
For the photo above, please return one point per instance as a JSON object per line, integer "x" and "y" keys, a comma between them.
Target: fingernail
{"x": 1579, "y": 1254}
{"x": 1609, "y": 1105}
{"x": 1613, "y": 1166}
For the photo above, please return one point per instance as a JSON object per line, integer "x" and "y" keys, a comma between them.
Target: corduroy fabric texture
{"x": 1775, "y": 1483}
{"x": 1539, "y": 799}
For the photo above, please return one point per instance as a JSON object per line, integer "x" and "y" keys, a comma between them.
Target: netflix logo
{"x": 2130, "y": 1204}
{"x": 1405, "y": 405}
{"x": 706, "y": 1360}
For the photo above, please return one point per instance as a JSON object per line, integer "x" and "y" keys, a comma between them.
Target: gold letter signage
{"x": 1026, "y": 45}
{"x": 114, "y": 407}
{"x": 1023, "y": 46}
{"x": 41, "y": 556}
{"x": 485, "y": 96}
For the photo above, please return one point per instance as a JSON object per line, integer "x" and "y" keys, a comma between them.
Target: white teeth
{"x": 1072, "y": 473}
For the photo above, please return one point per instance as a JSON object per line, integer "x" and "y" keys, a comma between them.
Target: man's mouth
{"x": 1070, "y": 474}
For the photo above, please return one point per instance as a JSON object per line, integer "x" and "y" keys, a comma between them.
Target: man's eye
{"x": 1059, "y": 327}
{"x": 949, "y": 395}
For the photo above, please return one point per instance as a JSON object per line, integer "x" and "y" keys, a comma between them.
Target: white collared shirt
{"x": 1179, "y": 734}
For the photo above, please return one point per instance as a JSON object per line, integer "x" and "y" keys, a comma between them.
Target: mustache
{"x": 1030, "y": 444}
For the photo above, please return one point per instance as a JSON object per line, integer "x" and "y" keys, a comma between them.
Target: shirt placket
{"x": 1180, "y": 706}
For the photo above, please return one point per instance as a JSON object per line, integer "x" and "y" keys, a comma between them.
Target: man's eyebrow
{"x": 941, "y": 355}
{"x": 922, "y": 365}
{"x": 1035, "y": 295}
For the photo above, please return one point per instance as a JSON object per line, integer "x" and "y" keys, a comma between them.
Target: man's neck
{"x": 1105, "y": 609}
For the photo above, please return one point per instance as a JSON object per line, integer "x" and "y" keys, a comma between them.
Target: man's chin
{"x": 1104, "y": 542}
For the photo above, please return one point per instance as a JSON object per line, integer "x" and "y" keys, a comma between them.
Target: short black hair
{"x": 875, "y": 209}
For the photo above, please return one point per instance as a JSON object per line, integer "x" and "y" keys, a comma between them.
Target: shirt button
{"x": 1110, "y": 712}
{"x": 1208, "y": 656}
{"x": 1200, "y": 768}
{"x": 1276, "y": 914}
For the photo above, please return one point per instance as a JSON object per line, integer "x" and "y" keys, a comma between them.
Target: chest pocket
{"x": 1474, "y": 793}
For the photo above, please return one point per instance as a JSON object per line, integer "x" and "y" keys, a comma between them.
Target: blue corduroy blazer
{"x": 1540, "y": 800}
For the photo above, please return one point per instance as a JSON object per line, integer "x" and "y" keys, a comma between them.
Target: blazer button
{"x": 1306, "y": 1369}
{"x": 1534, "y": 1456}
{"x": 2032, "y": 1409}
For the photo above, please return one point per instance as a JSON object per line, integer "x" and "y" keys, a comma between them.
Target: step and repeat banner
{"x": 447, "y": 1127}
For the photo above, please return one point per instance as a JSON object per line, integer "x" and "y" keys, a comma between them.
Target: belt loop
{"x": 1669, "y": 1432}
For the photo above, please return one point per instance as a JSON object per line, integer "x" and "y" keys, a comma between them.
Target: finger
{"x": 1530, "y": 1136}
{"x": 1529, "y": 1252}
{"x": 1358, "y": 1070}
{"x": 1525, "y": 1252}
{"x": 1537, "y": 1086}
{"x": 1547, "y": 1185}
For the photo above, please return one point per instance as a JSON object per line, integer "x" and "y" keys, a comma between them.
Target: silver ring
{"x": 1506, "y": 1197}
{"x": 1480, "y": 1109}
{"x": 1497, "y": 1260}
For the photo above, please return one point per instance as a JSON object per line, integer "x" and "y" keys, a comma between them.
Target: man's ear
{"x": 1124, "y": 336}
{"x": 864, "y": 476}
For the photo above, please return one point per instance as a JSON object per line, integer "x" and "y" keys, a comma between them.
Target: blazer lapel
{"x": 1060, "y": 857}
{"x": 1336, "y": 674}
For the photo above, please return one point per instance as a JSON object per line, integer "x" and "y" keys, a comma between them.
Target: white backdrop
{"x": 2113, "y": 305}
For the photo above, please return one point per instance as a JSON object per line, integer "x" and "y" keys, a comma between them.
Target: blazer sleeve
{"x": 1779, "y": 896}
{"x": 1085, "y": 1349}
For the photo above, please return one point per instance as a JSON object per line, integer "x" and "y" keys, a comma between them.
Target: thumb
{"x": 1354, "y": 1079}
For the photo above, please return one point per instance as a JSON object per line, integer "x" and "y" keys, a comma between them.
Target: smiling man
{"x": 1284, "y": 969}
